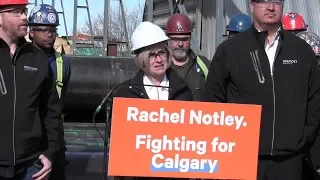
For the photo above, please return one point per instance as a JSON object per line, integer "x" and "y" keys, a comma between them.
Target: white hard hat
{"x": 147, "y": 34}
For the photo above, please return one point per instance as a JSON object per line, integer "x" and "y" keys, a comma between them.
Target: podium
{"x": 183, "y": 139}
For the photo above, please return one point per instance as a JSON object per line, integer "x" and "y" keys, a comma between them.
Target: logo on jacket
{"x": 29, "y": 68}
{"x": 289, "y": 61}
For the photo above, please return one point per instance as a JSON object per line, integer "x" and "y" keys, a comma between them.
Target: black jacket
{"x": 29, "y": 105}
{"x": 195, "y": 76}
{"x": 290, "y": 98}
{"x": 134, "y": 88}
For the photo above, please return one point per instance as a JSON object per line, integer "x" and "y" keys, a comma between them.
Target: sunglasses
{"x": 266, "y": 3}
{"x": 46, "y": 30}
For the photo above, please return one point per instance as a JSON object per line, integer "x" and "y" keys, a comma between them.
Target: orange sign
{"x": 155, "y": 138}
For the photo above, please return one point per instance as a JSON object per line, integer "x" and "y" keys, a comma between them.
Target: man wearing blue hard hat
{"x": 43, "y": 22}
{"x": 238, "y": 23}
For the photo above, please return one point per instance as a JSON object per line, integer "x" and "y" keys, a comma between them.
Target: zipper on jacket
{"x": 274, "y": 96}
{"x": 15, "y": 99}
{"x": 257, "y": 66}
{"x": 274, "y": 108}
{"x": 3, "y": 89}
{"x": 14, "y": 113}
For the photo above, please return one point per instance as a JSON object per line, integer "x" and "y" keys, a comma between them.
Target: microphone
{"x": 108, "y": 124}
{"x": 124, "y": 83}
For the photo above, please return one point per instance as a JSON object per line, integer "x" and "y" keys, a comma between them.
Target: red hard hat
{"x": 13, "y": 2}
{"x": 179, "y": 24}
{"x": 293, "y": 21}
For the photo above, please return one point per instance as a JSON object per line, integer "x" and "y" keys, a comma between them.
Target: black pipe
{"x": 91, "y": 80}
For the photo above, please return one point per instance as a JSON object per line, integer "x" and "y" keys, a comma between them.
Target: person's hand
{"x": 44, "y": 173}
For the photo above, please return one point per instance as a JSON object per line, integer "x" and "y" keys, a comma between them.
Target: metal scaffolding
{"x": 208, "y": 17}
{"x": 75, "y": 24}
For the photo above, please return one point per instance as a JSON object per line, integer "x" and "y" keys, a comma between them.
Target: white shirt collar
{"x": 164, "y": 82}
{"x": 275, "y": 37}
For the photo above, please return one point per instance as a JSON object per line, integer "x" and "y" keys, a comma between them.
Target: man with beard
{"x": 191, "y": 67}
{"x": 269, "y": 66}
{"x": 29, "y": 103}
{"x": 43, "y": 22}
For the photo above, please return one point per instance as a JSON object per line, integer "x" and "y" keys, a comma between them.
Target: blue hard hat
{"x": 43, "y": 14}
{"x": 239, "y": 23}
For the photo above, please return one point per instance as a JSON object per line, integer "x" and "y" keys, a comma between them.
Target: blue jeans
{"x": 30, "y": 172}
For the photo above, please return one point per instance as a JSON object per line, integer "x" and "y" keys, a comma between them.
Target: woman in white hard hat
{"x": 149, "y": 44}
{"x": 152, "y": 58}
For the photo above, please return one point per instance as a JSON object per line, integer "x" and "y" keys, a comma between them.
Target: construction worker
{"x": 314, "y": 41}
{"x": 190, "y": 66}
{"x": 238, "y": 23}
{"x": 294, "y": 23}
{"x": 29, "y": 103}
{"x": 43, "y": 22}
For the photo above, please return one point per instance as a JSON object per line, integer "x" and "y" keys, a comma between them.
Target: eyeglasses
{"x": 16, "y": 12}
{"x": 162, "y": 54}
{"x": 266, "y": 3}
{"x": 46, "y": 30}
{"x": 176, "y": 40}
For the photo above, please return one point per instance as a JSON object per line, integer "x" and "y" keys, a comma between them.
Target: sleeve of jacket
{"x": 66, "y": 77}
{"x": 218, "y": 77}
{"x": 313, "y": 112}
{"x": 51, "y": 108}
{"x": 315, "y": 152}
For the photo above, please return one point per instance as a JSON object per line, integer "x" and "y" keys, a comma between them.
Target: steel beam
{"x": 150, "y": 11}
{"x": 106, "y": 27}
{"x": 75, "y": 21}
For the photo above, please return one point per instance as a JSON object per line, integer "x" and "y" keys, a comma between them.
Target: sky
{"x": 95, "y": 7}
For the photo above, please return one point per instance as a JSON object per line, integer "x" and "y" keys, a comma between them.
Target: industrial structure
{"x": 210, "y": 17}
{"x": 93, "y": 77}
{"x": 80, "y": 43}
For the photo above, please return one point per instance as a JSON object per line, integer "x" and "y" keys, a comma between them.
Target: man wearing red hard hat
{"x": 29, "y": 103}
{"x": 294, "y": 23}
{"x": 190, "y": 66}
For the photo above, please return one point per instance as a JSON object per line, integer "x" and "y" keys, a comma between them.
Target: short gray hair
{"x": 142, "y": 57}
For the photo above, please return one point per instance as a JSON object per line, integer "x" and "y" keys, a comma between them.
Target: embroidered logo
{"x": 289, "y": 61}
{"x": 29, "y": 68}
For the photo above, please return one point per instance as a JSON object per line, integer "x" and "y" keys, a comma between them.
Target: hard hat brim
{"x": 137, "y": 50}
